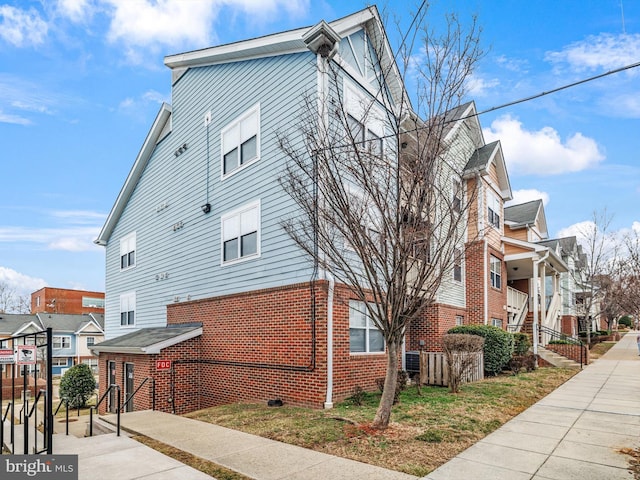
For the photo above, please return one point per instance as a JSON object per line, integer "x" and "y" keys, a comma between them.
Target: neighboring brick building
{"x": 63, "y": 300}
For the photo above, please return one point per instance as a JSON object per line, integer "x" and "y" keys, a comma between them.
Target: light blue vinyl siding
{"x": 186, "y": 262}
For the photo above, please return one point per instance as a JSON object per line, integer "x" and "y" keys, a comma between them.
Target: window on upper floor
{"x": 457, "y": 265}
{"x": 241, "y": 233}
{"x": 364, "y": 336}
{"x": 365, "y": 120}
{"x": 493, "y": 210}
{"x": 128, "y": 251}
{"x": 241, "y": 141}
{"x": 128, "y": 309}
{"x": 456, "y": 202}
{"x": 91, "y": 302}
{"x": 91, "y": 341}
{"x": 61, "y": 342}
{"x": 496, "y": 272}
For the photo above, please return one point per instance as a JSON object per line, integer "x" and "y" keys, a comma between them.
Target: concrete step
{"x": 555, "y": 359}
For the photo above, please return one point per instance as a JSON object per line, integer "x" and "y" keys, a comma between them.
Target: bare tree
{"x": 600, "y": 253}
{"x": 628, "y": 276}
{"x": 12, "y": 302}
{"x": 384, "y": 211}
{"x": 461, "y": 351}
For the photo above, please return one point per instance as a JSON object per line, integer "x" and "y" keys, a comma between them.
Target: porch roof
{"x": 520, "y": 265}
{"x": 148, "y": 341}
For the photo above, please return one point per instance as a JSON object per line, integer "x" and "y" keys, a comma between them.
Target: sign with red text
{"x": 163, "y": 365}
{"x": 7, "y": 356}
{"x": 26, "y": 354}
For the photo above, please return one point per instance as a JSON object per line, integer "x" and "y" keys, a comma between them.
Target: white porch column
{"x": 543, "y": 293}
{"x": 535, "y": 307}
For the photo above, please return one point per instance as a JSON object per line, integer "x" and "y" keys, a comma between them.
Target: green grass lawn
{"x": 427, "y": 429}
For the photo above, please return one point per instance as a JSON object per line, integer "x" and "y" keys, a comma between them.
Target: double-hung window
{"x": 364, "y": 336}
{"x": 457, "y": 265}
{"x": 365, "y": 120}
{"x": 241, "y": 233}
{"x": 456, "y": 202}
{"x": 496, "y": 272}
{"x": 128, "y": 251}
{"x": 61, "y": 342}
{"x": 241, "y": 141}
{"x": 128, "y": 309}
{"x": 493, "y": 210}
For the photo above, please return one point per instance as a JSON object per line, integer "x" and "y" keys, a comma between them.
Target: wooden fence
{"x": 434, "y": 369}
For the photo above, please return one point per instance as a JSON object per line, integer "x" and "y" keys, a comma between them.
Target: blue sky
{"x": 82, "y": 80}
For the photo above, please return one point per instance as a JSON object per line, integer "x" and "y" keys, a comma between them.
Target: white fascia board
{"x": 134, "y": 175}
{"x": 534, "y": 247}
{"x": 90, "y": 322}
{"x": 153, "y": 349}
{"x": 23, "y": 329}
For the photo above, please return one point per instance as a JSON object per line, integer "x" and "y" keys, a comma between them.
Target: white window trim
{"x": 61, "y": 337}
{"x": 493, "y": 204}
{"x": 458, "y": 252}
{"x": 127, "y": 242}
{"x": 249, "y": 206}
{"x": 253, "y": 110}
{"x": 367, "y": 328}
{"x": 493, "y": 260}
{"x": 357, "y": 104}
{"x": 130, "y": 298}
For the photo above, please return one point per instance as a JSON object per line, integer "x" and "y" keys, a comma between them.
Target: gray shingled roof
{"x": 149, "y": 340}
{"x": 480, "y": 158}
{"x": 522, "y": 214}
{"x": 12, "y": 322}
{"x": 64, "y": 322}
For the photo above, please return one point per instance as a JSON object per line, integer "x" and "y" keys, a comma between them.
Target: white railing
{"x": 552, "y": 312}
{"x": 517, "y": 304}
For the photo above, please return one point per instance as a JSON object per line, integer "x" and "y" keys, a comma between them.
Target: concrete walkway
{"x": 574, "y": 433}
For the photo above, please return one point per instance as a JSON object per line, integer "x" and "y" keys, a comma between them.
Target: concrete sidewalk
{"x": 253, "y": 456}
{"x": 574, "y": 433}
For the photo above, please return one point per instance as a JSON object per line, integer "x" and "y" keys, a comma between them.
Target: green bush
{"x": 521, "y": 343}
{"x": 498, "y": 345}
{"x": 77, "y": 385}
{"x": 625, "y": 321}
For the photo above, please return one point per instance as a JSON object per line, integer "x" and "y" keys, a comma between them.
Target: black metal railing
{"x": 153, "y": 394}
{"x": 33, "y": 412}
{"x": 64, "y": 401}
{"x": 97, "y": 405}
{"x": 555, "y": 335}
{"x": 4, "y": 419}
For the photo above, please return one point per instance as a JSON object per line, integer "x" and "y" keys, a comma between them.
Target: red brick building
{"x": 63, "y": 300}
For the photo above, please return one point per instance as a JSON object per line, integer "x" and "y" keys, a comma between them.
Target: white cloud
{"x": 136, "y": 106}
{"x": 22, "y": 28}
{"x": 169, "y": 22}
{"x": 542, "y": 152}
{"x": 605, "y": 51}
{"x": 528, "y": 195}
{"x": 74, "y": 231}
{"x": 15, "y": 119}
{"x": 513, "y": 64}
{"x": 477, "y": 86}
{"x": 173, "y": 24}
{"x": 78, "y": 11}
{"x": 20, "y": 283}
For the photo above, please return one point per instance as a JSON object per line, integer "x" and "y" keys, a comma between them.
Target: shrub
{"x": 458, "y": 349}
{"x": 521, "y": 343}
{"x": 77, "y": 385}
{"x": 526, "y": 361}
{"x": 498, "y": 345}
{"x": 358, "y": 396}
{"x": 625, "y": 321}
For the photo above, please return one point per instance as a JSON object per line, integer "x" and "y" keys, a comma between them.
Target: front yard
{"x": 426, "y": 429}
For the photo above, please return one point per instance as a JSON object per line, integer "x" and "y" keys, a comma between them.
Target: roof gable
{"x": 483, "y": 158}
{"x": 529, "y": 214}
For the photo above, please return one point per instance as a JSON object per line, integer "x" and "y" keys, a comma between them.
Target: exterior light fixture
{"x": 206, "y": 208}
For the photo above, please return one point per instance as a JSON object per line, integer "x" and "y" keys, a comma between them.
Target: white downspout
{"x": 485, "y": 284}
{"x": 332, "y": 283}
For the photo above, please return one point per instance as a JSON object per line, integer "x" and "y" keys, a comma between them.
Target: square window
{"x": 364, "y": 336}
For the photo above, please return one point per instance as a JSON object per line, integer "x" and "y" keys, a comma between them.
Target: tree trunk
{"x": 383, "y": 414}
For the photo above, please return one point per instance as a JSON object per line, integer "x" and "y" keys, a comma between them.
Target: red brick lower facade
{"x": 255, "y": 346}
{"x": 426, "y": 334}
